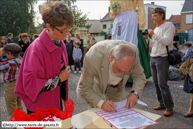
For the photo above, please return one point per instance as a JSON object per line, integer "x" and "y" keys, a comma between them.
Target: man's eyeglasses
{"x": 119, "y": 70}
{"x": 65, "y": 31}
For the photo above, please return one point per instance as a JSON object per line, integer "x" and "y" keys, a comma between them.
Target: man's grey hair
{"x": 122, "y": 51}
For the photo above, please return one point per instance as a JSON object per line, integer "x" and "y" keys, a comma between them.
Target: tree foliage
{"x": 102, "y": 33}
{"x": 79, "y": 18}
{"x": 16, "y": 16}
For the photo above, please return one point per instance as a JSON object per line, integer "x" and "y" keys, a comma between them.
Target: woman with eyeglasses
{"x": 43, "y": 77}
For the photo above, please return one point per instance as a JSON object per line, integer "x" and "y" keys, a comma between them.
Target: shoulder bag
{"x": 174, "y": 56}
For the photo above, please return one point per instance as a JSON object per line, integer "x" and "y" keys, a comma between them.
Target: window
{"x": 104, "y": 26}
{"x": 175, "y": 24}
{"x": 189, "y": 19}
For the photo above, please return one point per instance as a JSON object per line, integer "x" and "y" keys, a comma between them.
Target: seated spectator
{"x": 24, "y": 43}
{"x": 9, "y": 39}
{"x": 3, "y": 42}
{"x": 187, "y": 59}
{"x": 10, "y": 69}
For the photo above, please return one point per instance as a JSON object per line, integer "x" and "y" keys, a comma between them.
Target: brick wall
{"x": 185, "y": 26}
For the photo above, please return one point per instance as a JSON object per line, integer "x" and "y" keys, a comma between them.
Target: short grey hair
{"x": 122, "y": 51}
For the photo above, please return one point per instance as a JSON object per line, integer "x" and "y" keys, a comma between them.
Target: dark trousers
{"x": 175, "y": 45}
{"x": 81, "y": 61}
{"x": 159, "y": 69}
{"x": 77, "y": 65}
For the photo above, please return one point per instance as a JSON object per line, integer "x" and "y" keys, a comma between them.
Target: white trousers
{"x": 125, "y": 27}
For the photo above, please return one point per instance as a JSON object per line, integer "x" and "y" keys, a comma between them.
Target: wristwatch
{"x": 136, "y": 93}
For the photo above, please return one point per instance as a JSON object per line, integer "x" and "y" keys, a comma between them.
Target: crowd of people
{"x": 37, "y": 72}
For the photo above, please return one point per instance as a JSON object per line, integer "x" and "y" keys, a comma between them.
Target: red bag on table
{"x": 40, "y": 114}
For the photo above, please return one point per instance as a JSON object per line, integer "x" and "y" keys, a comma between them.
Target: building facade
{"x": 95, "y": 26}
{"x": 106, "y": 24}
{"x": 82, "y": 31}
{"x": 187, "y": 19}
{"x": 176, "y": 20}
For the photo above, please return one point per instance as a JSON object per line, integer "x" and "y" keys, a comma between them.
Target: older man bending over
{"x": 107, "y": 67}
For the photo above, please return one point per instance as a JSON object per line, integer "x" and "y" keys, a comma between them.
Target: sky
{"x": 97, "y": 9}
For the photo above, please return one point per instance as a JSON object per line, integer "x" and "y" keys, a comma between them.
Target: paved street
{"x": 177, "y": 120}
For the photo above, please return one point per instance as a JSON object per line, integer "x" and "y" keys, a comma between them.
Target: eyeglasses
{"x": 65, "y": 31}
{"x": 119, "y": 70}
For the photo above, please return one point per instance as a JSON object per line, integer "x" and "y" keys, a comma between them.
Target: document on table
{"x": 123, "y": 103}
{"x": 126, "y": 118}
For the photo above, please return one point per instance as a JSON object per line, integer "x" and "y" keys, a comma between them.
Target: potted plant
{"x": 114, "y": 7}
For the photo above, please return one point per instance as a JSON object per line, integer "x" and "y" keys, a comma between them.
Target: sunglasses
{"x": 65, "y": 31}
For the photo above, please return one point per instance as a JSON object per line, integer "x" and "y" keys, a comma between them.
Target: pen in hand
{"x": 111, "y": 101}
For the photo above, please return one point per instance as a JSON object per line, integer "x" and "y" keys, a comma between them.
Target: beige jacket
{"x": 93, "y": 81}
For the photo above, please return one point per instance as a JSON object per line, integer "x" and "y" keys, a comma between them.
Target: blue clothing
{"x": 188, "y": 54}
{"x": 4, "y": 56}
{"x": 9, "y": 41}
{"x": 77, "y": 53}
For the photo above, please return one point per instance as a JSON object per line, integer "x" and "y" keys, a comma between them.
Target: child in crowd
{"x": 3, "y": 42}
{"x": 10, "y": 69}
{"x": 187, "y": 58}
{"x": 77, "y": 55}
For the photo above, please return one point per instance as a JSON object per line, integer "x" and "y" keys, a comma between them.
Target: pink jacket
{"x": 42, "y": 61}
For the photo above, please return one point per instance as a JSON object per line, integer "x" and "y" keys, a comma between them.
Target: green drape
{"x": 143, "y": 56}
